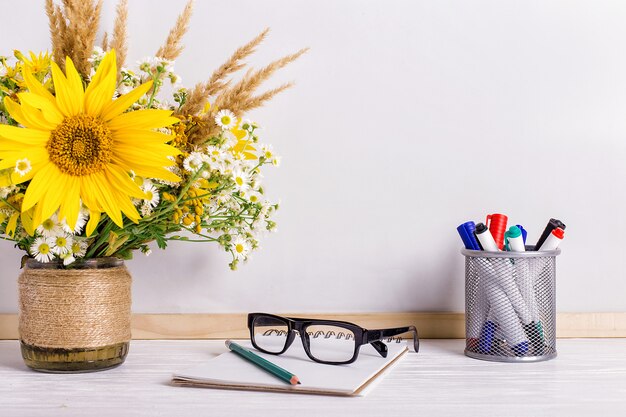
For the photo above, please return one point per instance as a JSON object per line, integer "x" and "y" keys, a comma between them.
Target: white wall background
{"x": 408, "y": 118}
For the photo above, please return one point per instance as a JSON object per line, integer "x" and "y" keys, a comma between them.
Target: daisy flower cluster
{"x": 100, "y": 159}
{"x": 218, "y": 195}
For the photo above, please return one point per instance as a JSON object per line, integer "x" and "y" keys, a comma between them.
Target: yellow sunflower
{"x": 80, "y": 146}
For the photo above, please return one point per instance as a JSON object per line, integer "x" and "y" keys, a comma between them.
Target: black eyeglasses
{"x": 274, "y": 334}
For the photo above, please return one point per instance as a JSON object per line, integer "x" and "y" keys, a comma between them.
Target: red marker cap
{"x": 558, "y": 232}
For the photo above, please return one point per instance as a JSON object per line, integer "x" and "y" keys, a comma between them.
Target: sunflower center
{"x": 80, "y": 145}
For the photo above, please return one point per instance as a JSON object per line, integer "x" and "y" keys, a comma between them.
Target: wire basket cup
{"x": 510, "y": 305}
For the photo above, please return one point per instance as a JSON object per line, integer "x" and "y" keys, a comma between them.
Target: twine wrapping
{"x": 79, "y": 308}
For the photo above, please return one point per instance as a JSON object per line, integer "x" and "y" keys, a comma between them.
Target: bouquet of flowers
{"x": 95, "y": 162}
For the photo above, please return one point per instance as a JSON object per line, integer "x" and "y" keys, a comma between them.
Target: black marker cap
{"x": 552, "y": 224}
{"x": 481, "y": 228}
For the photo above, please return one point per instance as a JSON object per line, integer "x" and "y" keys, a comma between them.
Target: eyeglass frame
{"x": 362, "y": 336}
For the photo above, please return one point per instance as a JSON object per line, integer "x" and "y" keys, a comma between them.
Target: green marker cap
{"x": 513, "y": 232}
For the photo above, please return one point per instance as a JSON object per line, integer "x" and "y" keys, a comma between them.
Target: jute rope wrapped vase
{"x": 74, "y": 320}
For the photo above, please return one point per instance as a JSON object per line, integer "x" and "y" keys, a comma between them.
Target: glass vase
{"x": 77, "y": 318}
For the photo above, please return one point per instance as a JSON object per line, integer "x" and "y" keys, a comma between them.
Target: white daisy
{"x": 79, "y": 248}
{"x": 152, "y": 197}
{"x": 41, "y": 249}
{"x": 193, "y": 162}
{"x": 240, "y": 247}
{"x": 267, "y": 152}
{"x": 241, "y": 179}
{"x": 62, "y": 244}
{"x": 23, "y": 166}
{"x": 253, "y": 196}
{"x": 50, "y": 227}
{"x": 146, "y": 209}
{"x": 68, "y": 258}
{"x": 214, "y": 153}
{"x": 226, "y": 119}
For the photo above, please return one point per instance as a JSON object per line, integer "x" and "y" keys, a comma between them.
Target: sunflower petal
{"x": 136, "y": 136}
{"x": 75, "y": 84}
{"x": 94, "y": 219}
{"x": 51, "y": 201}
{"x": 64, "y": 92}
{"x": 35, "y": 86}
{"x": 12, "y": 224}
{"x": 24, "y": 136}
{"x": 27, "y": 221}
{"x": 70, "y": 205}
{"x": 100, "y": 190}
{"x": 15, "y": 110}
{"x": 38, "y": 187}
{"x": 102, "y": 86}
{"x": 143, "y": 119}
{"x": 117, "y": 107}
{"x": 122, "y": 181}
{"x": 35, "y": 118}
{"x": 49, "y": 109}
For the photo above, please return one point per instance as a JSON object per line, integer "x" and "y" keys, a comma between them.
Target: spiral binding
{"x": 326, "y": 335}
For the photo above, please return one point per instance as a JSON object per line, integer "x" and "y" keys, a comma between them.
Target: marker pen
{"x": 524, "y": 232}
{"x": 497, "y": 227}
{"x": 503, "y": 314}
{"x": 524, "y": 280}
{"x": 501, "y": 273}
{"x": 553, "y": 240}
{"x": 466, "y": 231}
{"x": 552, "y": 224}
{"x": 514, "y": 240}
{"x": 485, "y": 239}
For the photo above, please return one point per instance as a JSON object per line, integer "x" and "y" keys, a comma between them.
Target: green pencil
{"x": 268, "y": 366}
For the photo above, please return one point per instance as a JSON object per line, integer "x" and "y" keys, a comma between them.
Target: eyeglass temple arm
{"x": 374, "y": 338}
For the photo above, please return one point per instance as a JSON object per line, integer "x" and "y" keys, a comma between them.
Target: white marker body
{"x": 551, "y": 243}
{"x": 516, "y": 244}
{"x": 486, "y": 241}
{"x": 500, "y": 272}
{"x": 479, "y": 314}
{"x": 501, "y": 308}
{"x": 525, "y": 283}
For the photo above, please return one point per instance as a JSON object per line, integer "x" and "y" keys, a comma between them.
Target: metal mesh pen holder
{"x": 510, "y": 305}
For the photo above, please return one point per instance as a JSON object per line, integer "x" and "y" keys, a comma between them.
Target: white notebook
{"x": 230, "y": 371}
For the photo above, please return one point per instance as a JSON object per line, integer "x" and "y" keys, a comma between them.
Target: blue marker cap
{"x": 466, "y": 230}
{"x": 521, "y": 348}
{"x": 487, "y": 334}
{"x": 524, "y": 232}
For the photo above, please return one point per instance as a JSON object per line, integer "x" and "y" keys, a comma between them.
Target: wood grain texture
{"x": 588, "y": 378}
{"x": 430, "y": 325}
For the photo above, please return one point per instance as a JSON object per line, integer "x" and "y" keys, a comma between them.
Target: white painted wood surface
{"x": 588, "y": 378}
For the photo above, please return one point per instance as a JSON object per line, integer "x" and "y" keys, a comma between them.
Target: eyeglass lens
{"x": 270, "y": 333}
{"x": 331, "y": 343}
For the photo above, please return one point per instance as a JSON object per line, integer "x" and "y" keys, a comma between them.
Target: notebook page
{"x": 232, "y": 370}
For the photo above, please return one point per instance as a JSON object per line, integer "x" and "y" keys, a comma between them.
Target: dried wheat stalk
{"x": 119, "y": 41}
{"x": 236, "y": 98}
{"x": 105, "y": 42}
{"x": 73, "y": 29}
{"x": 258, "y": 101}
{"x": 173, "y": 47}
{"x": 200, "y": 93}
